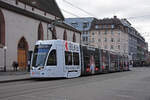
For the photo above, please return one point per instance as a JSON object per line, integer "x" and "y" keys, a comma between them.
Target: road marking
{"x": 125, "y": 96}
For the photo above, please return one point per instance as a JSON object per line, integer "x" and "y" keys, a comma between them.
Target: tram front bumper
{"x": 37, "y": 74}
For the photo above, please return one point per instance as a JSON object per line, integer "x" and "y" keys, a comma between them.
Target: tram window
{"x": 76, "y": 58}
{"x": 68, "y": 58}
{"x": 52, "y": 60}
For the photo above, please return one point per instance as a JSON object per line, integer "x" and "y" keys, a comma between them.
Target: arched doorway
{"x": 22, "y": 53}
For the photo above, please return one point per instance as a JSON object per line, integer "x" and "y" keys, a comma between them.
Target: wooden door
{"x": 22, "y": 53}
{"x": 22, "y": 59}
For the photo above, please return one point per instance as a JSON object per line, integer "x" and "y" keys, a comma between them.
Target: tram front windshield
{"x": 40, "y": 54}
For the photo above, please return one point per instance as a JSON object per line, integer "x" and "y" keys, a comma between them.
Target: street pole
{"x": 5, "y": 48}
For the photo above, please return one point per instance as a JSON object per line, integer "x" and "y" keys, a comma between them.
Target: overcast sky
{"x": 136, "y": 11}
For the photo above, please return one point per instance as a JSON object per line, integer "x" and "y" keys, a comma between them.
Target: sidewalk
{"x": 13, "y": 76}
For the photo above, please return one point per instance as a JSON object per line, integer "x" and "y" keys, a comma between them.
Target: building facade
{"x": 109, "y": 34}
{"x": 138, "y": 48}
{"x": 118, "y": 35}
{"x": 132, "y": 39}
{"x": 113, "y": 34}
{"x": 141, "y": 50}
{"x": 23, "y": 22}
{"x": 83, "y": 25}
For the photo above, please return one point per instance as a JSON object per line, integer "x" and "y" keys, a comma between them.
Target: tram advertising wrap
{"x": 90, "y": 60}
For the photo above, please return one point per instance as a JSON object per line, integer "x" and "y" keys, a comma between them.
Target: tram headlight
{"x": 40, "y": 68}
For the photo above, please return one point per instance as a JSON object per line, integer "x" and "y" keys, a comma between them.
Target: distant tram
{"x": 59, "y": 58}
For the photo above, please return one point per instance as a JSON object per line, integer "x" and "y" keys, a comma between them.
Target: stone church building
{"x": 23, "y": 22}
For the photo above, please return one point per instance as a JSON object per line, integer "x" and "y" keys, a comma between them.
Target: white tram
{"x": 56, "y": 58}
{"x": 59, "y": 58}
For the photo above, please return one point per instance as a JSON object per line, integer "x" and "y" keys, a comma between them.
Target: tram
{"x": 59, "y": 58}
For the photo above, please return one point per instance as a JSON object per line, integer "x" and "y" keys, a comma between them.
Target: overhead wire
{"x": 90, "y": 14}
{"x": 86, "y": 12}
{"x": 69, "y": 12}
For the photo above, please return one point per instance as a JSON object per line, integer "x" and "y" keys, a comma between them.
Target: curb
{"x": 15, "y": 80}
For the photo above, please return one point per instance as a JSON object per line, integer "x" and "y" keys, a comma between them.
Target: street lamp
{"x": 5, "y": 48}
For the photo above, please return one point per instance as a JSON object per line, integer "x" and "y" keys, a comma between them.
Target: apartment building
{"x": 113, "y": 34}
{"x": 109, "y": 34}
{"x": 118, "y": 35}
{"x": 137, "y": 46}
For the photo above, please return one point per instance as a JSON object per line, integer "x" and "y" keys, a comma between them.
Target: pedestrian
{"x": 15, "y": 65}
